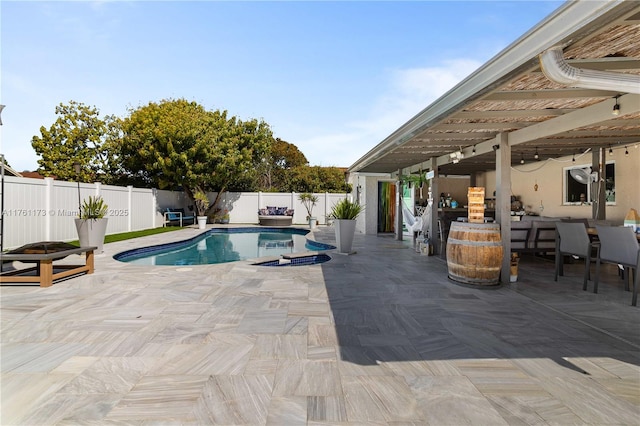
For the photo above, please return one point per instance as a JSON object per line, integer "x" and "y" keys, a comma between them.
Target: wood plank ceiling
{"x": 523, "y": 99}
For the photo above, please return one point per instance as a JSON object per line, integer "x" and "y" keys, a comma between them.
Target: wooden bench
{"x": 43, "y": 254}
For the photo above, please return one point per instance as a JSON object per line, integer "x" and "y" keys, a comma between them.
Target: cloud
{"x": 409, "y": 91}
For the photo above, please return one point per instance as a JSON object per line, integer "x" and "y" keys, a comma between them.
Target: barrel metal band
{"x": 474, "y": 243}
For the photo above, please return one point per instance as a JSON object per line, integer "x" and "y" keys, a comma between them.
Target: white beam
{"x": 526, "y": 95}
{"x": 503, "y": 201}
{"x": 589, "y": 116}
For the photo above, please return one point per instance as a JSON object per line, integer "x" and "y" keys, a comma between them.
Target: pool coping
{"x": 230, "y": 230}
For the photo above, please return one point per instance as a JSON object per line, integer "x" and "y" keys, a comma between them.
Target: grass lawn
{"x": 133, "y": 234}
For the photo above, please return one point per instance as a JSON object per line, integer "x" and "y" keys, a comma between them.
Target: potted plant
{"x": 92, "y": 223}
{"x": 202, "y": 204}
{"x": 224, "y": 217}
{"x": 344, "y": 214}
{"x": 309, "y": 201}
{"x": 219, "y": 216}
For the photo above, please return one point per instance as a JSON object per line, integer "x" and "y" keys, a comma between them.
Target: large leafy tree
{"x": 275, "y": 168}
{"x": 317, "y": 179}
{"x": 177, "y": 143}
{"x": 79, "y": 135}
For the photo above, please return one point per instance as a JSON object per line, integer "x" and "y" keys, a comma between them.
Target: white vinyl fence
{"x": 44, "y": 209}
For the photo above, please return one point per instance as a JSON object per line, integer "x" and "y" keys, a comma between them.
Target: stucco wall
{"x": 457, "y": 186}
{"x": 548, "y": 175}
{"x": 368, "y": 222}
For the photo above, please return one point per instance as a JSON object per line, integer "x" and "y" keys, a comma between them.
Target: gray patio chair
{"x": 572, "y": 239}
{"x": 619, "y": 245}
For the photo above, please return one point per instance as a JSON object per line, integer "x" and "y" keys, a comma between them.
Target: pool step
{"x": 294, "y": 259}
{"x": 291, "y": 256}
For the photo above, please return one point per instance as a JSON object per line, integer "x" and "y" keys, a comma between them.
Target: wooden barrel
{"x": 474, "y": 253}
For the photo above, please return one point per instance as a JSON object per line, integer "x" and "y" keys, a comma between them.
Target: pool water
{"x": 224, "y": 245}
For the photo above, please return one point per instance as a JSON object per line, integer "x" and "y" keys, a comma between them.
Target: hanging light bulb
{"x": 626, "y": 152}
{"x": 610, "y": 151}
{"x": 521, "y": 158}
{"x": 616, "y": 108}
{"x": 536, "y": 156}
{"x": 473, "y": 151}
{"x": 574, "y": 158}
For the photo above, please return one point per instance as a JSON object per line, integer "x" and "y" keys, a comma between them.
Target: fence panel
{"x": 64, "y": 200}
{"x": 242, "y": 206}
{"x": 117, "y": 198}
{"x": 143, "y": 209}
{"x": 24, "y": 211}
{"x": 171, "y": 199}
{"x": 44, "y": 210}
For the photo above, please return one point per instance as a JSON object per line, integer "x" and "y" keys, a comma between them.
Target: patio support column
{"x": 472, "y": 179}
{"x": 399, "y": 208}
{"x": 598, "y": 196}
{"x": 503, "y": 200}
{"x": 432, "y": 226}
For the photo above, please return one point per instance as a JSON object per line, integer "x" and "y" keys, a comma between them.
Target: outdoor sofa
{"x": 275, "y": 216}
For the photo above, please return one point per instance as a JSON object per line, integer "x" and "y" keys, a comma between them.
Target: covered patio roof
{"x": 511, "y": 95}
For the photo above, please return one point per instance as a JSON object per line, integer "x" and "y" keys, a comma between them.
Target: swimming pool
{"x": 223, "y": 245}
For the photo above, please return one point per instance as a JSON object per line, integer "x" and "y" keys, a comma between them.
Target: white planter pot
{"x": 91, "y": 233}
{"x": 312, "y": 222}
{"x": 345, "y": 231}
{"x": 202, "y": 222}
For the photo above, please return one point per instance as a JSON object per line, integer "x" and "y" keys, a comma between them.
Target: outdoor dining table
{"x": 594, "y": 232}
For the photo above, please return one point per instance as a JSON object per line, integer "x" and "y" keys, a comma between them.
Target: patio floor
{"x": 379, "y": 337}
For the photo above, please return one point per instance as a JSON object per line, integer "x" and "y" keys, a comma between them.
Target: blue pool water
{"x": 224, "y": 245}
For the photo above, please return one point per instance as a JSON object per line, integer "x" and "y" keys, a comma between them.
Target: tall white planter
{"x": 91, "y": 233}
{"x": 202, "y": 222}
{"x": 345, "y": 231}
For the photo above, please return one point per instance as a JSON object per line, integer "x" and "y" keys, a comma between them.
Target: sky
{"x": 333, "y": 78}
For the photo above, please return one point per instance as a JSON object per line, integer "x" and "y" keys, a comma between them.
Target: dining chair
{"x": 572, "y": 239}
{"x": 618, "y": 244}
{"x": 584, "y": 221}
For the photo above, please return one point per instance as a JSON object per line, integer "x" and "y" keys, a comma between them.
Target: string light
{"x": 536, "y": 156}
{"x": 626, "y": 152}
{"x": 616, "y": 108}
{"x": 521, "y": 158}
{"x": 610, "y": 150}
{"x": 574, "y": 157}
{"x": 473, "y": 151}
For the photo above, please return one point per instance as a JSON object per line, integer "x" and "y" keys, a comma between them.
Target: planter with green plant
{"x": 92, "y": 223}
{"x": 344, "y": 214}
{"x": 224, "y": 219}
{"x": 309, "y": 201}
{"x": 202, "y": 204}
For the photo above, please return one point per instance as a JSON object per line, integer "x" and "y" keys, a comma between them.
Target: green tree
{"x": 274, "y": 169}
{"x": 286, "y": 155}
{"x": 80, "y": 136}
{"x": 317, "y": 179}
{"x": 177, "y": 143}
